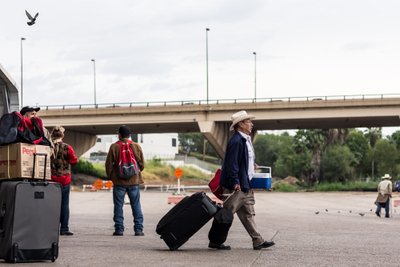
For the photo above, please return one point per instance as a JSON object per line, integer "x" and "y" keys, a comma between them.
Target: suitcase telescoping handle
{"x": 34, "y": 164}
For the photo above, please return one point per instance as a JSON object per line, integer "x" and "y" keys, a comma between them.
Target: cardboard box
{"x": 16, "y": 161}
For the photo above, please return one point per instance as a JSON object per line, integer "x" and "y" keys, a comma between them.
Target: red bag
{"x": 127, "y": 165}
{"x": 216, "y": 189}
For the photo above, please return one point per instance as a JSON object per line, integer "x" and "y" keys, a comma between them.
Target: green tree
{"x": 395, "y": 139}
{"x": 386, "y": 158}
{"x": 358, "y": 145}
{"x": 190, "y": 142}
{"x": 314, "y": 140}
{"x": 267, "y": 148}
{"x": 195, "y": 142}
{"x": 373, "y": 134}
{"x": 290, "y": 163}
{"x": 278, "y": 152}
{"x": 336, "y": 164}
{"x": 337, "y": 136}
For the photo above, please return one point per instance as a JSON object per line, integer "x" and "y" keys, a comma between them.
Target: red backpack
{"x": 127, "y": 165}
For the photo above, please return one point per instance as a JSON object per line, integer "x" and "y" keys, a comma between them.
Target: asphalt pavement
{"x": 314, "y": 229}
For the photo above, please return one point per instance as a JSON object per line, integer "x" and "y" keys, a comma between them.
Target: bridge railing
{"x": 221, "y": 101}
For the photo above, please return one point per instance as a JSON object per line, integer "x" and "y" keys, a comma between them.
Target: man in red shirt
{"x": 61, "y": 161}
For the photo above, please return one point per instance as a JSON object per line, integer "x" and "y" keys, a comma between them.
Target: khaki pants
{"x": 243, "y": 205}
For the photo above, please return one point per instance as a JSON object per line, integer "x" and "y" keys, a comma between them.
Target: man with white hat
{"x": 384, "y": 195}
{"x": 237, "y": 170}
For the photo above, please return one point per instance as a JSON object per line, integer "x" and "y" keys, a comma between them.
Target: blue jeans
{"x": 133, "y": 192}
{"x": 378, "y": 208}
{"x": 64, "y": 217}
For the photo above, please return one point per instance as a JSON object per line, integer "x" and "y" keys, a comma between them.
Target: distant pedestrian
{"x": 237, "y": 170}
{"x": 61, "y": 160}
{"x": 384, "y": 195}
{"x": 124, "y": 165}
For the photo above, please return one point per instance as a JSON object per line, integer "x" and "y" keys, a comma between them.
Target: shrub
{"x": 85, "y": 167}
{"x": 285, "y": 187}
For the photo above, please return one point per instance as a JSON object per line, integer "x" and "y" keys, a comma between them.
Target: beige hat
{"x": 386, "y": 176}
{"x": 238, "y": 117}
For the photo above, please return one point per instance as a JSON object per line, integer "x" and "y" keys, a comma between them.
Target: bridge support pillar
{"x": 8, "y": 99}
{"x": 80, "y": 142}
{"x": 4, "y": 99}
{"x": 217, "y": 134}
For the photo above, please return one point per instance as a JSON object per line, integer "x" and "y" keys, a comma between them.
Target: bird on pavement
{"x": 317, "y": 212}
{"x": 326, "y": 210}
{"x": 32, "y": 20}
{"x": 361, "y": 214}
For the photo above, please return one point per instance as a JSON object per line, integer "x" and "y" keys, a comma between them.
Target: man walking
{"x": 124, "y": 165}
{"x": 237, "y": 170}
{"x": 384, "y": 195}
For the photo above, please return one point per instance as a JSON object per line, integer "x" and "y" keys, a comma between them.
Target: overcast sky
{"x": 155, "y": 50}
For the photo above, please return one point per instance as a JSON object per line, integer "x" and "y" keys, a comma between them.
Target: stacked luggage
{"x": 30, "y": 206}
{"x": 29, "y": 217}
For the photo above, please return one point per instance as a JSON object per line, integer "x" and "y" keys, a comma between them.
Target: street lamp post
{"x": 207, "y": 30}
{"x": 22, "y": 73}
{"x": 94, "y": 80}
{"x": 255, "y": 76}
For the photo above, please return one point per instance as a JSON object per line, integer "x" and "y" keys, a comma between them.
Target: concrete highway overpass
{"x": 84, "y": 122}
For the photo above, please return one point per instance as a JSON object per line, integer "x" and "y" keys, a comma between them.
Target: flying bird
{"x": 32, "y": 20}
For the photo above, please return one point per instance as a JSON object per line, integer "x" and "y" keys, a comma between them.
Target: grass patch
{"x": 155, "y": 170}
{"x": 328, "y": 187}
{"x": 193, "y": 173}
{"x": 348, "y": 186}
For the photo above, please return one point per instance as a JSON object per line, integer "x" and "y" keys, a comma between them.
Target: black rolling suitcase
{"x": 185, "y": 219}
{"x": 29, "y": 219}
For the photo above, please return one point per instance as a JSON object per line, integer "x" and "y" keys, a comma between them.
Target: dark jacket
{"x": 112, "y": 161}
{"x": 236, "y": 164}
